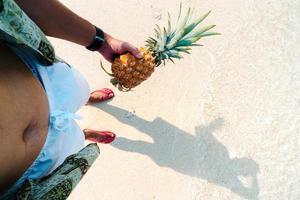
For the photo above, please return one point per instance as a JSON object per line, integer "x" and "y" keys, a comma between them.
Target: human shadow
{"x": 200, "y": 155}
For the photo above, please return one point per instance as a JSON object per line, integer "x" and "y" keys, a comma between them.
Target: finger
{"x": 108, "y": 56}
{"x": 134, "y": 51}
{"x": 110, "y": 59}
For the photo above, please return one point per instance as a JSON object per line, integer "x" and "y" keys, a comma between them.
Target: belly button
{"x": 27, "y": 133}
{"x": 35, "y": 133}
{"x": 31, "y": 132}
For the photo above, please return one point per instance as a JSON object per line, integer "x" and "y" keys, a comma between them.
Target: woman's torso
{"x": 23, "y": 117}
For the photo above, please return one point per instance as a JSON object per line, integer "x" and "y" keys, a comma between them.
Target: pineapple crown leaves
{"x": 168, "y": 43}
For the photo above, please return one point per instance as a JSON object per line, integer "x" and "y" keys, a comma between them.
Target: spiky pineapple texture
{"x": 168, "y": 43}
{"x": 130, "y": 72}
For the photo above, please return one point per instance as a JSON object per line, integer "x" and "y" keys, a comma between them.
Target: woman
{"x": 39, "y": 94}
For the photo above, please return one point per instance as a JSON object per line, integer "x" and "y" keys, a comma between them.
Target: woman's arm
{"x": 58, "y": 21}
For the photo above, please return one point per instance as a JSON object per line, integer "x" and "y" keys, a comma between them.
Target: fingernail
{"x": 139, "y": 56}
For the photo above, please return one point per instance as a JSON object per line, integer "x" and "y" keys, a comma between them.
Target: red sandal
{"x": 107, "y": 94}
{"x": 104, "y": 137}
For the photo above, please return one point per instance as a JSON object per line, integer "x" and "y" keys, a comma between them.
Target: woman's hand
{"x": 114, "y": 47}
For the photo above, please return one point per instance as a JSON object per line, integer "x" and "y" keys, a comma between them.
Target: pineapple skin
{"x": 167, "y": 44}
{"x": 130, "y": 71}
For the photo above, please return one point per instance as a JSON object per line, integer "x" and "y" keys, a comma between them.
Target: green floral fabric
{"x": 16, "y": 27}
{"x": 59, "y": 184}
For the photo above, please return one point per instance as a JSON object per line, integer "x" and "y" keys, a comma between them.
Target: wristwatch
{"x": 98, "y": 41}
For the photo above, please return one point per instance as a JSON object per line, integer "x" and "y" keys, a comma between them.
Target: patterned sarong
{"x": 59, "y": 184}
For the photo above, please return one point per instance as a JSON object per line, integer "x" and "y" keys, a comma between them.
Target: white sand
{"x": 223, "y": 123}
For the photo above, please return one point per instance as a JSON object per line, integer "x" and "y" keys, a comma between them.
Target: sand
{"x": 223, "y": 123}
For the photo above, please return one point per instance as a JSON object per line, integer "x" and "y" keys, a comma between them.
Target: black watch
{"x": 98, "y": 41}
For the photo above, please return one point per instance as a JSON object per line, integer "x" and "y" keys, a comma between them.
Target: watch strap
{"x": 98, "y": 40}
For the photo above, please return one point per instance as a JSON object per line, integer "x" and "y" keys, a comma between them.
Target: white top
{"x": 67, "y": 91}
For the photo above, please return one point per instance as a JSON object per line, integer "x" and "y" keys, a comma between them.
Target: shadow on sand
{"x": 199, "y": 156}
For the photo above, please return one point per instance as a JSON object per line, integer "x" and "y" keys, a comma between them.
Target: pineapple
{"x": 128, "y": 71}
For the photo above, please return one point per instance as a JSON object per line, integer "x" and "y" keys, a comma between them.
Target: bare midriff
{"x": 23, "y": 117}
